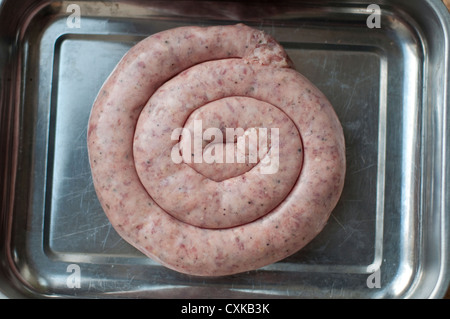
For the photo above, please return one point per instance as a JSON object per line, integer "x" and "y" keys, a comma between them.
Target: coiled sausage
{"x": 181, "y": 214}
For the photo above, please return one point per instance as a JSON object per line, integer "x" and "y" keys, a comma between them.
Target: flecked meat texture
{"x": 213, "y": 219}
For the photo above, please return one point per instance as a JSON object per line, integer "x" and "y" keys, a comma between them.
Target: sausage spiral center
{"x": 193, "y": 197}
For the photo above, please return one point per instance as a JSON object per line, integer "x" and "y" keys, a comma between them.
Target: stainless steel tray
{"x": 388, "y": 236}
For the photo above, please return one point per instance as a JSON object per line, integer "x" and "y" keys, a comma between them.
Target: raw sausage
{"x": 174, "y": 212}
{"x": 187, "y": 194}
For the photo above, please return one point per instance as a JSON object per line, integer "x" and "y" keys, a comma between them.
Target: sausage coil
{"x": 203, "y": 217}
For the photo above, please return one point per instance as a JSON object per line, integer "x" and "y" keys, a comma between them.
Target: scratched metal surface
{"x": 389, "y": 86}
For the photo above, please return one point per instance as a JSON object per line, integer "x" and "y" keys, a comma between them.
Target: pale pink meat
{"x": 184, "y": 215}
{"x": 235, "y": 112}
{"x": 189, "y": 195}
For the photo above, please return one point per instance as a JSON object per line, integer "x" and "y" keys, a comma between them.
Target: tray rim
{"x": 445, "y": 227}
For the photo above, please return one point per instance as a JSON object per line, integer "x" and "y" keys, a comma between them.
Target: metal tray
{"x": 389, "y": 234}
